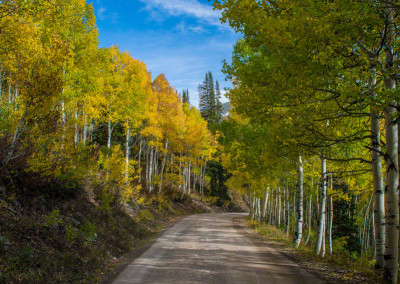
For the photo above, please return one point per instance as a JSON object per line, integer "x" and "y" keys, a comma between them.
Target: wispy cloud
{"x": 191, "y": 8}
{"x": 184, "y": 28}
{"x": 104, "y": 15}
{"x": 101, "y": 13}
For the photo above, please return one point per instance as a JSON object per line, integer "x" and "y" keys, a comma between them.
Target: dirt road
{"x": 212, "y": 248}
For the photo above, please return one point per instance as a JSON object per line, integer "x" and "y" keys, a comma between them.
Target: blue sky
{"x": 183, "y": 39}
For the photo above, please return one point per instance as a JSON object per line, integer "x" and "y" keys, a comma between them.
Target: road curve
{"x": 212, "y": 248}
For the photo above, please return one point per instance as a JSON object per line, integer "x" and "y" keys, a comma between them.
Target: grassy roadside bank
{"x": 338, "y": 268}
{"x": 74, "y": 239}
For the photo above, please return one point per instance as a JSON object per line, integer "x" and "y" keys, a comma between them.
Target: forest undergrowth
{"x": 69, "y": 236}
{"x": 340, "y": 267}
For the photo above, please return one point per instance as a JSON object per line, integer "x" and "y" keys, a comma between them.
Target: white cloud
{"x": 191, "y": 8}
{"x": 104, "y": 15}
{"x": 101, "y": 13}
{"x": 183, "y": 28}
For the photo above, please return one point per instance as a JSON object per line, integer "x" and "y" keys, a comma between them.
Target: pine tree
{"x": 210, "y": 105}
{"x": 204, "y": 99}
{"x": 185, "y": 96}
{"x": 218, "y": 107}
{"x": 211, "y": 95}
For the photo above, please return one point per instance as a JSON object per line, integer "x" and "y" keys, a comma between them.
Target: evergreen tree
{"x": 185, "y": 96}
{"x": 210, "y": 105}
{"x": 218, "y": 103}
{"x": 211, "y": 95}
{"x": 204, "y": 99}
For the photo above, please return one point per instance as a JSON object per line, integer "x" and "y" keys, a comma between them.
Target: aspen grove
{"x": 71, "y": 112}
{"x": 313, "y": 135}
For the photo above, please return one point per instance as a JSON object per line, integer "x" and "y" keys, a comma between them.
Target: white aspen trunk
{"x": 163, "y": 166}
{"x": 287, "y": 209}
{"x": 109, "y": 134}
{"x": 85, "y": 130}
{"x": 188, "y": 173}
{"x": 147, "y": 155}
{"x": 181, "y": 186}
{"x": 274, "y": 206}
{"x": 299, "y": 223}
{"x": 172, "y": 170}
{"x": 254, "y": 205}
{"x": 15, "y": 106}
{"x": 140, "y": 159}
{"x": 323, "y": 240}
{"x": 379, "y": 198}
{"x": 76, "y": 129}
{"x": 309, "y": 219}
{"x": 15, "y": 139}
{"x": 64, "y": 120}
{"x": 9, "y": 89}
{"x": 321, "y": 227}
{"x": 251, "y": 205}
{"x": 264, "y": 210}
{"x": 373, "y": 235}
{"x": 127, "y": 153}
{"x": 294, "y": 210}
{"x": 392, "y": 173}
{"x": 150, "y": 178}
{"x": 269, "y": 208}
{"x": 91, "y": 130}
{"x": 278, "y": 214}
{"x": 365, "y": 228}
{"x": 330, "y": 224}
{"x": 200, "y": 179}
{"x": 284, "y": 206}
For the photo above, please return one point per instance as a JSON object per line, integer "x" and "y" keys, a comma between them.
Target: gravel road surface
{"x": 212, "y": 248}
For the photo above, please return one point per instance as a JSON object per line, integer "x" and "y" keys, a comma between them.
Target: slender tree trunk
{"x": 150, "y": 178}
{"x": 85, "y": 129}
{"x": 330, "y": 224}
{"x": 321, "y": 229}
{"x": 91, "y": 131}
{"x": 309, "y": 219}
{"x": 109, "y": 134}
{"x": 251, "y": 205}
{"x": 379, "y": 198}
{"x": 287, "y": 208}
{"x": 1, "y": 81}
{"x": 392, "y": 173}
{"x": 147, "y": 154}
{"x": 264, "y": 210}
{"x": 9, "y": 88}
{"x": 323, "y": 240}
{"x": 278, "y": 214}
{"x": 162, "y": 167}
{"x": 181, "y": 186}
{"x": 373, "y": 235}
{"x": 127, "y": 153}
{"x": 140, "y": 159}
{"x": 188, "y": 178}
{"x": 15, "y": 139}
{"x": 299, "y": 223}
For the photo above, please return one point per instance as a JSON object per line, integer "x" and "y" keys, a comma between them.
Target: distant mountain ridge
{"x": 226, "y": 107}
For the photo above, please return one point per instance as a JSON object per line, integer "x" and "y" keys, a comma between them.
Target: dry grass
{"x": 341, "y": 267}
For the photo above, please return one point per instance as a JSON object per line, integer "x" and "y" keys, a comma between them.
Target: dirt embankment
{"x": 53, "y": 238}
